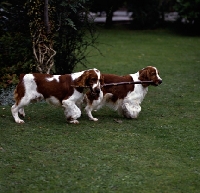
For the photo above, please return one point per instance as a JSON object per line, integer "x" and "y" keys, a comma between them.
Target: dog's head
{"x": 150, "y": 73}
{"x": 91, "y": 78}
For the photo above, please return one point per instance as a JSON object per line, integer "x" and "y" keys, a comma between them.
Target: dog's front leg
{"x": 92, "y": 104}
{"x": 88, "y": 110}
{"x": 72, "y": 112}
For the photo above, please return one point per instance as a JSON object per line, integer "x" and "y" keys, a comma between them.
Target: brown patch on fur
{"x": 81, "y": 81}
{"x": 21, "y": 76}
{"x": 120, "y": 91}
{"x": 59, "y": 89}
{"x": 102, "y": 79}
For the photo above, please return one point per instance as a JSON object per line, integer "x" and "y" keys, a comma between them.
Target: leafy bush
{"x": 76, "y": 32}
{"x": 15, "y": 57}
{"x": 189, "y": 9}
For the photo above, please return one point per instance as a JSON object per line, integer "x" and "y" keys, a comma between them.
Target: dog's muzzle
{"x": 95, "y": 91}
{"x": 158, "y": 82}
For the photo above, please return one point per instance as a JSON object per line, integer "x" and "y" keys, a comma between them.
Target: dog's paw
{"x": 20, "y": 121}
{"x": 74, "y": 121}
{"x": 93, "y": 119}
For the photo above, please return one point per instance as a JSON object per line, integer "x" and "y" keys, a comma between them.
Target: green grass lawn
{"x": 158, "y": 152}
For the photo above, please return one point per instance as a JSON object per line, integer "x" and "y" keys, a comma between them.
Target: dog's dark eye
{"x": 93, "y": 79}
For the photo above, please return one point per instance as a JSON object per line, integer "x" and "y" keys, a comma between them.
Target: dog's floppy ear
{"x": 81, "y": 81}
{"x": 144, "y": 74}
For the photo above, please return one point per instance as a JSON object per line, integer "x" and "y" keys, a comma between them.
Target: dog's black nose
{"x": 97, "y": 90}
{"x": 160, "y": 81}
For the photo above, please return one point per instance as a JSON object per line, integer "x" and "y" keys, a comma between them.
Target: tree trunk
{"x": 109, "y": 15}
{"x": 42, "y": 36}
{"x": 46, "y": 17}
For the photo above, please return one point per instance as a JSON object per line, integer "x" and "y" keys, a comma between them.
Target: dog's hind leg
{"x": 17, "y": 109}
{"x": 131, "y": 111}
{"x": 72, "y": 112}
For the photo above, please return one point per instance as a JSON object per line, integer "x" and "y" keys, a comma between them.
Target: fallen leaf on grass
{"x": 118, "y": 120}
{"x": 1, "y": 149}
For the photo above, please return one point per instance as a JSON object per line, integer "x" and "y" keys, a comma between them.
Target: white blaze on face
{"x": 97, "y": 85}
{"x": 157, "y": 73}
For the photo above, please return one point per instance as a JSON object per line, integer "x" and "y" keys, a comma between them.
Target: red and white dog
{"x": 63, "y": 90}
{"x": 126, "y": 98}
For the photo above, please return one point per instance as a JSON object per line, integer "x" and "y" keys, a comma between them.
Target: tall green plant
{"x": 75, "y": 33}
{"x": 71, "y": 32}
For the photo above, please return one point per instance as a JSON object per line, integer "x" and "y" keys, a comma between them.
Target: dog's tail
{"x": 107, "y": 97}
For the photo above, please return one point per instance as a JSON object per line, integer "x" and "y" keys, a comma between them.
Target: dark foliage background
{"x": 75, "y": 29}
{"x": 74, "y": 32}
{"x": 146, "y": 13}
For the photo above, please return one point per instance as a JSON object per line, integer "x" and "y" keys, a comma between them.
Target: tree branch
{"x": 46, "y": 17}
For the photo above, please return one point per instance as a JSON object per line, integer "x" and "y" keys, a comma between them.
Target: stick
{"x": 80, "y": 86}
{"x": 121, "y": 83}
{"x": 116, "y": 84}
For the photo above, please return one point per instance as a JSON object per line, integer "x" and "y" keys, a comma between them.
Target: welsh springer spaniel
{"x": 62, "y": 90}
{"x": 126, "y": 98}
